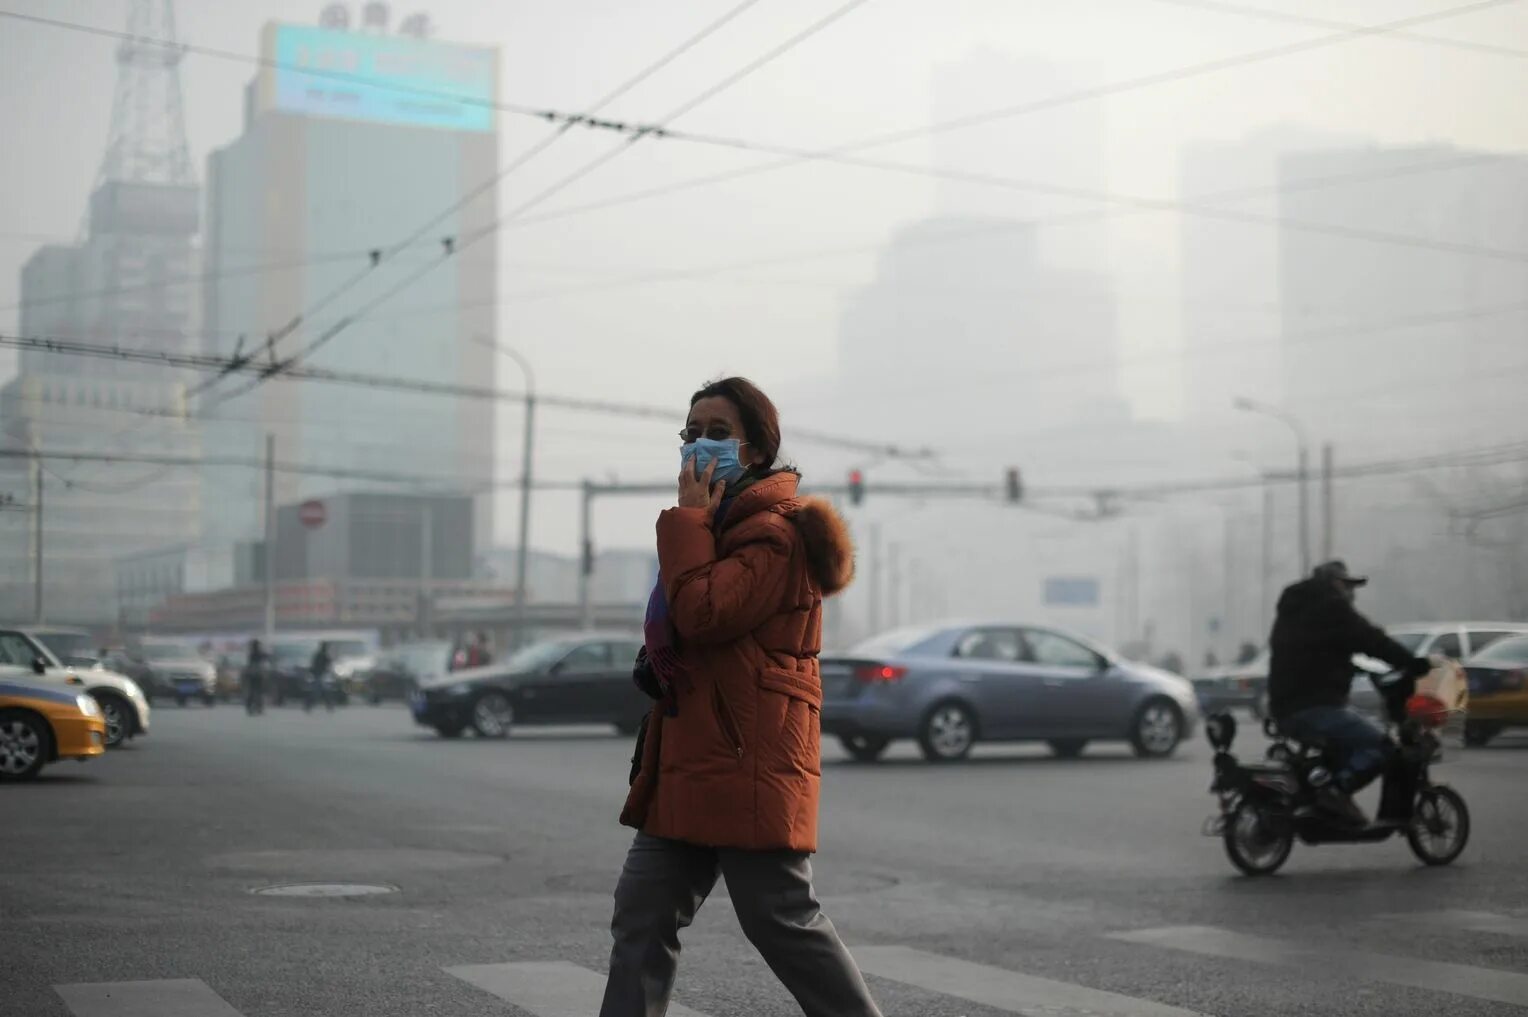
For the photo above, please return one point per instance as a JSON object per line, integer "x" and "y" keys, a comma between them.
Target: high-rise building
{"x": 1423, "y": 300}
{"x": 388, "y": 137}
{"x": 1232, "y": 315}
{"x": 124, "y": 283}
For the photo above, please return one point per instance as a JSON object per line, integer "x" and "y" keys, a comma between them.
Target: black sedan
{"x": 583, "y": 679}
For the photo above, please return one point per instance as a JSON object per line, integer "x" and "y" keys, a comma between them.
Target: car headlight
{"x": 88, "y": 706}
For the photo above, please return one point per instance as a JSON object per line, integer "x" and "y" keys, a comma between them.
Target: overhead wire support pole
{"x": 38, "y": 602}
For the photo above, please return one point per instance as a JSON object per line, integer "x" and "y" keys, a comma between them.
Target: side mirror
{"x": 1103, "y": 664}
{"x": 39, "y": 666}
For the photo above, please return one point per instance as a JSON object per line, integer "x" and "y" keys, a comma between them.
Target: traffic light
{"x": 856, "y": 487}
{"x": 1015, "y": 485}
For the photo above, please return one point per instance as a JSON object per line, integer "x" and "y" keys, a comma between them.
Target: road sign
{"x": 312, "y": 513}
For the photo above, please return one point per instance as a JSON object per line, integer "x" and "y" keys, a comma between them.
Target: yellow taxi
{"x": 40, "y": 724}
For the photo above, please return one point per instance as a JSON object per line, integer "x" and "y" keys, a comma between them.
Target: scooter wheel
{"x": 1440, "y": 825}
{"x": 1256, "y": 843}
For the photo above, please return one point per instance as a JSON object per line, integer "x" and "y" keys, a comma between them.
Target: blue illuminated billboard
{"x": 389, "y": 79}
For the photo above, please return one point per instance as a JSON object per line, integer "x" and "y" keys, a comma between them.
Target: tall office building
{"x": 353, "y": 141}
{"x": 1232, "y": 313}
{"x": 1419, "y": 343}
{"x": 125, "y": 283}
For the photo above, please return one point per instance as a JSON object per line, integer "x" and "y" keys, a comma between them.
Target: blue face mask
{"x": 698, "y": 454}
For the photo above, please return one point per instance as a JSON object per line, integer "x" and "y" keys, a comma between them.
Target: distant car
{"x": 1498, "y": 677}
{"x": 42, "y": 723}
{"x": 1235, "y": 685}
{"x": 124, "y": 707}
{"x": 584, "y": 679}
{"x": 399, "y": 670}
{"x": 72, "y": 647}
{"x": 950, "y": 686}
{"x": 181, "y": 669}
{"x": 1454, "y": 640}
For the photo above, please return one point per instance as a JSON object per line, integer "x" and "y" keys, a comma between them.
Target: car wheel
{"x": 118, "y": 716}
{"x": 947, "y": 733}
{"x": 449, "y": 730}
{"x": 209, "y": 700}
{"x": 374, "y": 699}
{"x": 1157, "y": 729}
{"x": 1068, "y": 748}
{"x": 864, "y": 748}
{"x": 1478, "y": 733}
{"x": 180, "y": 700}
{"x": 492, "y": 715}
{"x": 24, "y": 739}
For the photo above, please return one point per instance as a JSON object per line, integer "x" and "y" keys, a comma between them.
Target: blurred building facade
{"x": 127, "y": 282}
{"x": 328, "y": 177}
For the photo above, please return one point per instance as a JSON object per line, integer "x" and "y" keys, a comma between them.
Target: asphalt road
{"x": 1013, "y": 883}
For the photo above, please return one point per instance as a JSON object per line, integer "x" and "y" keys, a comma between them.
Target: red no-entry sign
{"x": 312, "y": 513}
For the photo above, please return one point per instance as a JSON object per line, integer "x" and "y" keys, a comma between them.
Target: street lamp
{"x": 526, "y": 456}
{"x": 1302, "y": 467}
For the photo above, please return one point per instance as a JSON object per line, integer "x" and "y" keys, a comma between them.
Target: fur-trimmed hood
{"x": 829, "y": 548}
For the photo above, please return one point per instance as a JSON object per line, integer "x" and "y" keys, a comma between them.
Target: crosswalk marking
{"x": 546, "y": 988}
{"x": 1437, "y": 976}
{"x": 1001, "y": 988}
{"x": 165, "y": 997}
{"x": 1465, "y": 921}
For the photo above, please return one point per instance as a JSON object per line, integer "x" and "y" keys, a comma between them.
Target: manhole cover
{"x": 324, "y": 890}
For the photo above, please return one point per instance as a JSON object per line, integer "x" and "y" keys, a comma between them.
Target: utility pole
{"x": 522, "y": 554}
{"x": 585, "y": 557}
{"x": 1228, "y": 623}
{"x": 426, "y": 566}
{"x": 894, "y": 597}
{"x": 37, "y": 593}
{"x": 1328, "y": 506}
{"x": 1264, "y": 617}
{"x": 270, "y": 540}
{"x": 875, "y": 579}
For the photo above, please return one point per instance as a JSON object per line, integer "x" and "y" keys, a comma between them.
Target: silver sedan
{"x": 950, "y": 686}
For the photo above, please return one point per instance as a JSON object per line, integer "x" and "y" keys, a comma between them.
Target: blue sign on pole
{"x": 1070, "y": 591}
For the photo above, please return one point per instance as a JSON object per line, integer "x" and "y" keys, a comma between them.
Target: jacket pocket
{"x": 790, "y": 683}
{"x": 727, "y": 721}
{"x": 793, "y": 718}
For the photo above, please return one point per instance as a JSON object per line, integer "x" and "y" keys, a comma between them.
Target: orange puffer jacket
{"x": 740, "y": 763}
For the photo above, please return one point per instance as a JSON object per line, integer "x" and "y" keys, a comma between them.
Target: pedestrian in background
{"x": 256, "y": 661}
{"x": 318, "y": 687}
{"x": 728, "y": 774}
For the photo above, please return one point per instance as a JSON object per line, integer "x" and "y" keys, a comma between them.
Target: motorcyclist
{"x": 1316, "y": 633}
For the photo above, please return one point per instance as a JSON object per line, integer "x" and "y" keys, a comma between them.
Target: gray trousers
{"x": 664, "y": 884}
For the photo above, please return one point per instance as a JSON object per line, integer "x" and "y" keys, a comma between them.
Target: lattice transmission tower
{"x": 148, "y": 128}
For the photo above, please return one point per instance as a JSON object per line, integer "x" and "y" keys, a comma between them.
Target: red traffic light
{"x": 856, "y": 487}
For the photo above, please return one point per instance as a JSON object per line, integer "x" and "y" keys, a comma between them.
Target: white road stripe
{"x": 546, "y": 988}
{"x": 1437, "y": 976}
{"x": 167, "y": 997}
{"x": 1001, "y": 988}
{"x": 1465, "y": 921}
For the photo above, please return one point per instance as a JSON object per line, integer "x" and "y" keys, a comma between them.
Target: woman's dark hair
{"x": 761, "y": 421}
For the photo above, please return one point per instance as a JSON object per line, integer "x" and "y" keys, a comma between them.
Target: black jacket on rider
{"x": 1316, "y": 632}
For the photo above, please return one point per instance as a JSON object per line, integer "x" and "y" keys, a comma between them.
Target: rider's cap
{"x": 1337, "y": 571}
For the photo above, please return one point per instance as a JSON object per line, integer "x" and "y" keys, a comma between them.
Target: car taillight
{"x": 879, "y": 673}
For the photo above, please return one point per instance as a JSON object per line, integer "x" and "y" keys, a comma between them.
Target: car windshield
{"x": 342, "y": 648}
{"x": 423, "y": 659}
{"x": 537, "y": 656}
{"x": 169, "y": 651}
{"x": 1505, "y": 651}
{"x": 302, "y": 652}
{"x": 889, "y": 644}
{"x": 66, "y": 645}
{"x": 1410, "y": 640}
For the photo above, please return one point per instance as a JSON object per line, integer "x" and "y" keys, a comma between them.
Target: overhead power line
{"x": 1308, "y": 21}
{"x": 1496, "y": 455}
{"x": 305, "y": 372}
